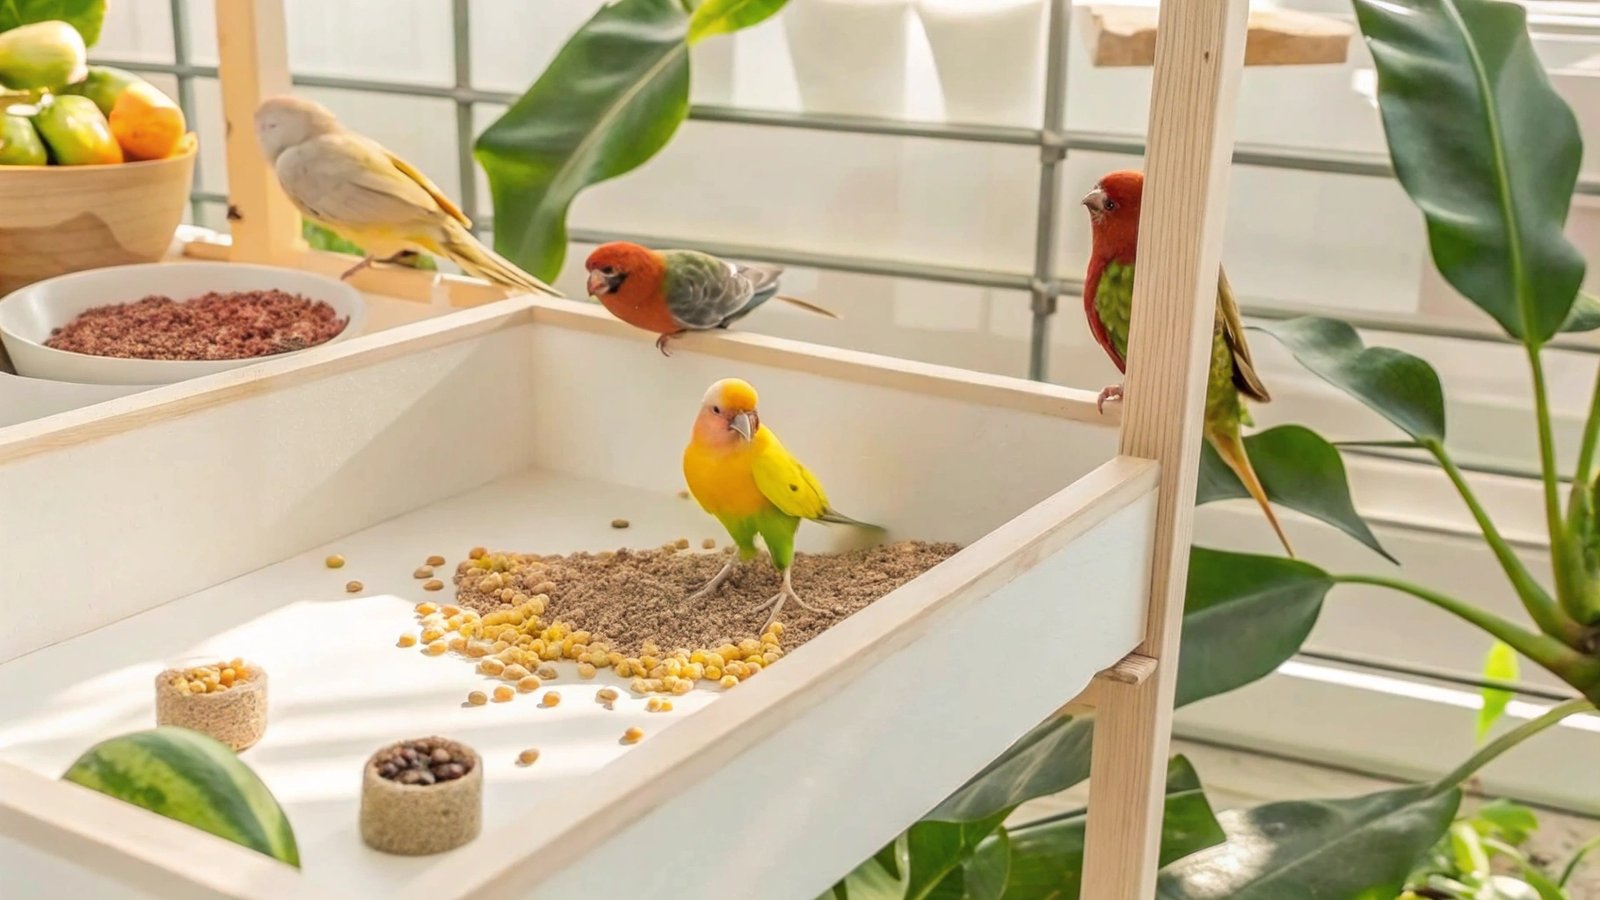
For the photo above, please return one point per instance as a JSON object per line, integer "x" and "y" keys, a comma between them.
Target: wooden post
{"x": 1199, "y": 55}
{"x": 253, "y": 60}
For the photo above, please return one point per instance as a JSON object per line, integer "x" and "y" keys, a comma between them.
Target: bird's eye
{"x": 717, "y": 410}
{"x": 1110, "y": 205}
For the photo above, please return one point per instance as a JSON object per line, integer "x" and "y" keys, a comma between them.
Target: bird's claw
{"x": 662, "y": 341}
{"x": 365, "y": 262}
{"x": 776, "y": 604}
{"x": 1109, "y": 392}
{"x": 715, "y": 582}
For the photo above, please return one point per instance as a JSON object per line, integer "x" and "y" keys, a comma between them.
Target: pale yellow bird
{"x": 356, "y": 188}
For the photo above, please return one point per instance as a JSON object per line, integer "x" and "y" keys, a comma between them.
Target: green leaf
{"x": 1047, "y": 760}
{"x": 1047, "y": 856}
{"x": 1356, "y": 847}
{"x": 1466, "y": 850}
{"x": 1244, "y": 616}
{"x": 1300, "y": 470}
{"x": 877, "y": 878}
{"x": 1500, "y": 664}
{"x": 982, "y": 876}
{"x": 85, "y": 15}
{"x": 1398, "y": 386}
{"x": 723, "y": 16}
{"x": 1510, "y": 822}
{"x": 610, "y": 100}
{"x": 1487, "y": 149}
{"x": 1585, "y": 315}
{"x": 1577, "y": 859}
{"x": 939, "y": 849}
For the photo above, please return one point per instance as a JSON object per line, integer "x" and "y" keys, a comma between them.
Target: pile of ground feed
{"x": 629, "y": 598}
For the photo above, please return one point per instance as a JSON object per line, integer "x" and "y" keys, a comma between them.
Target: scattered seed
{"x": 708, "y": 544}
{"x": 422, "y": 572}
{"x": 503, "y": 693}
{"x": 729, "y": 681}
{"x": 547, "y": 672}
{"x": 683, "y": 495}
{"x": 681, "y": 543}
{"x": 477, "y": 553}
{"x": 606, "y": 695}
{"x": 528, "y": 757}
{"x": 434, "y": 585}
{"x": 353, "y": 587}
{"x": 585, "y": 670}
{"x": 407, "y": 640}
{"x": 528, "y": 684}
{"x": 550, "y": 698}
{"x": 334, "y": 562}
{"x": 437, "y": 648}
{"x": 477, "y": 698}
{"x": 632, "y": 735}
{"x": 427, "y": 609}
{"x": 619, "y": 523}
{"x": 435, "y": 560}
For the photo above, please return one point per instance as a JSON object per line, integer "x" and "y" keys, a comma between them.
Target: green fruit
{"x": 19, "y": 143}
{"x": 76, "y": 132}
{"x": 103, "y": 85}
{"x": 190, "y": 777}
{"x": 42, "y": 55}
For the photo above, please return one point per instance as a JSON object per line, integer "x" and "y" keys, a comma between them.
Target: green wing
{"x": 788, "y": 484}
{"x": 1113, "y": 303}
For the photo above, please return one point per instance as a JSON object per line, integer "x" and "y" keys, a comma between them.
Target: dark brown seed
{"x": 214, "y": 326}
{"x": 440, "y": 755}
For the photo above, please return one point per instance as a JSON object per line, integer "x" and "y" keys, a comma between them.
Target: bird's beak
{"x": 741, "y": 424}
{"x": 1095, "y": 200}
{"x": 597, "y": 284}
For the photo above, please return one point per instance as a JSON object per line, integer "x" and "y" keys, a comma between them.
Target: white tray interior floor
{"x": 340, "y": 688}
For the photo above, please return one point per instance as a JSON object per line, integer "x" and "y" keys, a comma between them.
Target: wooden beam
{"x": 1126, "y": 36}
{"x": 254, "y": 65}
{"x": 1135, "y": 668}
{"x": 1196, "y": 86}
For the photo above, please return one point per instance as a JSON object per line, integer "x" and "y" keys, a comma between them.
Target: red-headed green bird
{"x": 739, "y": 472}
{"x": 1108, "y": 303}
{"x": 670, "y": 292}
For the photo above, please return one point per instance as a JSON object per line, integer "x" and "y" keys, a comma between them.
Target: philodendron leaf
{"x": 939, "y": 850}
{"x": 1300, "y": 470}
{"x": 1243, "y": 616}
{"x": 983, "y": 876}
{"x": 1362, "y": 847}
{"x": 85, "y": 15}
{"x": 1047, "y": 856}
{"x": 882, "y": 877}
{"x": 1051, "y": 758}
{"x": 1398, "y": 386}
{"x": 610, "y": 100}
{"x": 1500, "y": 664}
{"x": 1585, "y": 314}
{"x": 1487, "y": 149}
{"x": 723, "y": 16}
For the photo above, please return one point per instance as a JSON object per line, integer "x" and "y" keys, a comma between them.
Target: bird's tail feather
{"x": 834, "y": 517}
{"x": 808, "y": 306}
{"x": 473, "y": 257}
{"x": 1230, "y": 446}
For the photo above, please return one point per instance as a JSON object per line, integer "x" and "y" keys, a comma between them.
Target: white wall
{"x": 1295, "y": 239}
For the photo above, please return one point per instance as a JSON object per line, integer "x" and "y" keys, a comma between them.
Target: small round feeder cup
{"x": 236, "y": 716}
{"x": 421, "y": 819}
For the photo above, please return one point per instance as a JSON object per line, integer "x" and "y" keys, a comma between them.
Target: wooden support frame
{"x": 1197, "y": 64}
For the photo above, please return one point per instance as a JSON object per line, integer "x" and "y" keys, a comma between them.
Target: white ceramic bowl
{"x": 28, "y": 315}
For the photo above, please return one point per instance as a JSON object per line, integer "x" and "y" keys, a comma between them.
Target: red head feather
{"x": 1114, "y": 223}
{"x": 628, "y": 280}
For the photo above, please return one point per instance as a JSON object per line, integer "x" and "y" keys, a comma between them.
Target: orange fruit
{"x": 147, "y": 123}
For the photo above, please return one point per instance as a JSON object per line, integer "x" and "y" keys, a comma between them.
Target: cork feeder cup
{"x": 236, "y": 716}
{"x": 418, "y": 819}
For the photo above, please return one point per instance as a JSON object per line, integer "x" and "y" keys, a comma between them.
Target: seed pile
{"x": 218, "y": 676}
{"x": 237, "y": 325}
{"x": 423, "y": 762}
{"x": 517, "y": 613}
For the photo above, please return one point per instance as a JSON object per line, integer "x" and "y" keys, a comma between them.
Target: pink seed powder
{"x": 214, "y": 326}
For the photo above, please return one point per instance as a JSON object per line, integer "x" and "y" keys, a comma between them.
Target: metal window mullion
{"x": 179, "y": 15}
{"x": 461, "y": 39}
{"x": 1052, "y": 154}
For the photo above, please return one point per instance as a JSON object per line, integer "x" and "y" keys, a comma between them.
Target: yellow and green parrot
{"x": 1108, "y": 303}
{"x": 739, "y": 472}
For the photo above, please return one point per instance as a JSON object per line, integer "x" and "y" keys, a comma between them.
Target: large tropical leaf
{"x": 983, "y": 876}
{"x": 610, "y": 100}
{"x": 1047, "y": 856}
{"x": 1398, "y": 386}
{"x": 713, "y": 17}
{"x": 1361, "y": 848}
{"x": 1244, "y": 616}
{"x": 1051, "y": 758}
{"x": 941, "y": 852}
{"x": 882, "y": 877}
{"x": 85, "y": 15}
{"x": 1300, "y": 470}
{"x": 1487, "y": 150}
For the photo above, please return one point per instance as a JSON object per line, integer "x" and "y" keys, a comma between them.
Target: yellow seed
{"x": 769, "y": 640}
{"x": 728, "y": 652}
{"x": 334, "y": 562}
{"x": 670, "y": 682}
{"x": 491, "y": 666}
{"x": 771, "y": 657}
{"x": 437, "y": 648}
{"x": 653, "y": 704}
{"x": 666, "y": 706}
{"x": 776, "y": 628}
{"x": 749, "y": 645}
{"x": 477, "y": 553}
{"x": 499, "y": 646}
{"x": 430, "y": 635}
{"x": 683, "y": 687}
{"x": 436, "y": 560}
{"x": 632, "y": 735}
{"x": 550, "y": 698}
{"x": 751, "y": 667}
{"x": 353, "y": 587}
{"x": 528, "y": 757}
{"x": 458, "y": 644}
{"x": 503, "y": 693}
{"x": 598, "y": 659}
{"x": 426, "y": 609}
{"x": 477, "y": 698}
{"x": 637, "y": 686}
{"x": 433, "y": 585}
{"x": 547, "y": 672}
{"x": 606, "y": 695}
{"x": 585, "y": 670}
{"x": 709, "y": 544}
{"x": 619, "y": 523}
{"x": 729, "y": 681}
{"x": 197, "y": 687}
{"x": 422, "y": 572}
{"x": 450, "y": 611}
{"x": 407, "y": 640}
{"x": 515, "y": 672}
{"x": 713, "y": 673}
{"x": 527, "y": 684}
{"x": 681, "y": 543}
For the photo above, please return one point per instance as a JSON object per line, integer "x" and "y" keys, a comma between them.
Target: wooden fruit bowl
{"x": 60, "y": 219}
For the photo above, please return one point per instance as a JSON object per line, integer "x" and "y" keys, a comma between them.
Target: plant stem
{"x": 1535, "y": 599}
{"x": 1577, "y": 857}
{"x": 1591, "y": 432}
{"x": 1508, "y": 740}
{"x": 1572, "y": 666}
{"x": 1565, "y": 565}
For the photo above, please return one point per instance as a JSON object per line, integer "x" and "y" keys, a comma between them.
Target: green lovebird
{"x": 1108, "y": 303}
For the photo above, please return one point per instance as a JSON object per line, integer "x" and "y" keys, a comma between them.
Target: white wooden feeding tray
{"x": 192, "y": 519}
